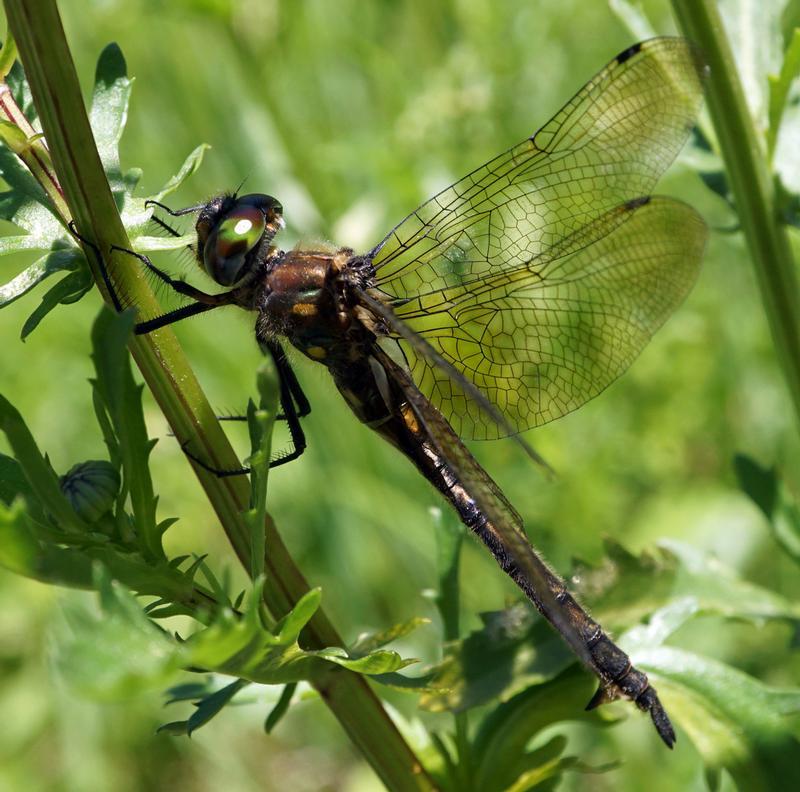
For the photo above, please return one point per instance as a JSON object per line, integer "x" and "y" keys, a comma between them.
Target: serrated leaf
{"x": 245, "y": 647}
{"x": 734, "y": 721}
{"x": 123, "y": 402}
{"x": 380, "y": 661}
{"x": 27, "y": 205}
{"x": 120, "y": 655}
{"x": 68, "y": 290}
{"x": 21, "y": 552}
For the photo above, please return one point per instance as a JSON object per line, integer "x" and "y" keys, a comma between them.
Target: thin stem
{"x": 39, "y": 35}
{"x": 752, "y": 186}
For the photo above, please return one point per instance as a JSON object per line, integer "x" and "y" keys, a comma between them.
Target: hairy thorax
{"x": 305, "y": 297}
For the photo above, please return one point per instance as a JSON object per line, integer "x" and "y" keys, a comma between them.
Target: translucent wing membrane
{"x": 543, "y": 339}
{"x": 542, "y": 274}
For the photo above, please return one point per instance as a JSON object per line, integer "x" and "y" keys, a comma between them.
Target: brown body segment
{"x": 309, "y": 301}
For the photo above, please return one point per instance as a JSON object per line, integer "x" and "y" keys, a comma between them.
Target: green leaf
{"x": 449, "y": 533}
{"x": 23, "y": 553}
{"x": 514, "y": 649}
{"x": 246, "y": 648}
{"x": 67, "y": 290}
{"x": 49, "y": 264}
{"x": 754, "y": 31}
{"x": 207, "y": 708}
{"x": 766, "y": 490}
{"x": 499, "y": 744}
{"x": 734, "y": 721}
{"x": 40, "y": 476}
{"x": 190, "y": 165}
{"x": 24, "y": 189}
{"x": 380, "y": 661}
{"x": 13, "y": 481}
{"x": 779, "y": 89}
{"x": 760, "y": 484}
{"x": 546, "y": 766}
{"x": 8, "y": 55}
{"x": 625, "y": 588}
{"x": 27, "y": 205}
{"x": 122, "y": 399}
{"x": 109, "y": 111}
{"x": 281, "y": 707}
{"x": 367, "y": 642}
{"x": 260, "y": 423}
{"x": 120, "y": 655}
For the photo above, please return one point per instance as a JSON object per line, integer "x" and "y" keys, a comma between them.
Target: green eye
{"x": 228, "y": 244}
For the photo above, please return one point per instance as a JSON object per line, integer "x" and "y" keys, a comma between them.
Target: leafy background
{"x": 352, "y": 114}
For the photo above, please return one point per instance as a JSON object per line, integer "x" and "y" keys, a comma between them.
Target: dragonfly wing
{"x": 578, "y": 179}
{"x": 610, "y": 143}
{"x": 542, "y": 340}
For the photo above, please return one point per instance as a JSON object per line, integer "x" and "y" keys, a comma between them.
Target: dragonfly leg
{"x": 294, "y": 405}
{"x": 175, "y": 212}
{"x": 101, "y": 264}
{"x": 202, "y": 301}
{"x": 176, "y": 284}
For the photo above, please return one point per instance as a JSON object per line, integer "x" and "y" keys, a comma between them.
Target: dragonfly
{"x": 507, "y": 300}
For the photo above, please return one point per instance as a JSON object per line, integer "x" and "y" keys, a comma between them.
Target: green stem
{"x": 752, "y": 185}
{"x": 50, "y": 70}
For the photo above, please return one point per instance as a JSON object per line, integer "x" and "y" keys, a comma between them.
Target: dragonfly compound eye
{"x": 226, "y": 248}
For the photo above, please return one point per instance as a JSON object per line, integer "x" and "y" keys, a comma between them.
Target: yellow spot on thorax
{"x": 304, "y": 309}
{"x": 317, "y": 352}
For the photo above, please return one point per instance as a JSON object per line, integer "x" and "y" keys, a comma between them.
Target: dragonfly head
{"x": 233, "y": 230}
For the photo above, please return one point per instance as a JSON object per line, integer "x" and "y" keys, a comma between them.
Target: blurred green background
{"x": 351, "y": 114}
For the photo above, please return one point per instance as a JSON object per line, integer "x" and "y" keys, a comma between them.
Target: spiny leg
{"x": 101, "y": 265}
{"x": 175, "y": 212}
{"x": 294, "y": 405}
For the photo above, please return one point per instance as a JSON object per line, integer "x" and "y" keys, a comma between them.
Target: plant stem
{"x": 40, "y": 37}
{"x": 752, "y": 185}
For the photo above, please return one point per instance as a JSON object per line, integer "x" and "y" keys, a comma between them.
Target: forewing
{"x": 607, "y": 145}
{"x": 543, "y": 339}
{"x": 495, "y": 272}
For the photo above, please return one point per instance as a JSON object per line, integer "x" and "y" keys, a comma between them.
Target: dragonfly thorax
{"x": 305, "y": 298}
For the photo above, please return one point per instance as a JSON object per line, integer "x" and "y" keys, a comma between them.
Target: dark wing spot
{"x": 635, "y": 203}
{"x": 629, "y": 53}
